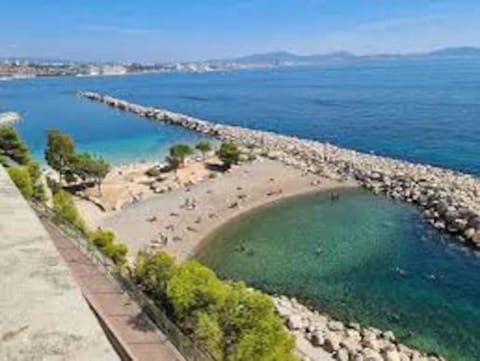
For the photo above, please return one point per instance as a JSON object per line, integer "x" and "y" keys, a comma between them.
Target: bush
{"x": 226, "y": 319}
{"x": 152, "y": 272}
{"x": 66, "y": 212}
{"x": 229, "y": 154}
{"x": 117, "y": 252}
{"x": 12, "y": 146}
{"x": 22, "y": 179}
{"x": 105, "y": 241}
{"x": 39, "y": 193}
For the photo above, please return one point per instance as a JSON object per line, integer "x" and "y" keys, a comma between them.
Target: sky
{"x": 183, "y": 30}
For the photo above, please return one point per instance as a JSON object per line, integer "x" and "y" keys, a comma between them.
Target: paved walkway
{"x": 121, "y": 315}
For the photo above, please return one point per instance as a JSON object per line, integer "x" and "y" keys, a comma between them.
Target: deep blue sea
{"x": 424, "y": 110}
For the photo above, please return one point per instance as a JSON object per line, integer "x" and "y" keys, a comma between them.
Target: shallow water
{"x": 363, "y": 258}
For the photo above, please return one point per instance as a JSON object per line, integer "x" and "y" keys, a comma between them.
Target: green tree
{"x": 21, "y": 178}
{"x": 152, "y": 272}
{"x": 87, "y": 167}
{"x": 229, "y": 154}
{"x": 177, "y": 155}
{"x": 12, "y": 147}
{"x": 66, "y": 212}
{"x": 194, "y": 288}
{"x": 204, "y": 147}
{"x": 59, "y": 152}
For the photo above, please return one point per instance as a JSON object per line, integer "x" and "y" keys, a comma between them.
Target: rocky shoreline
{"x": 450, "y": 200}
{"x": 344, "y": 342}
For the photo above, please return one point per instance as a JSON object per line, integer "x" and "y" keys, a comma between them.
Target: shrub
{"x": 39, "y": 193}
{"x": 152, "y": 272}
{"x": 104, "y": 240}
{"x": 22, "y": 179}
{"x": 229, "y": 154}
{"x": 226, "y": 319}
{"x": 54, "y": 186}
{"x": 66, "y": 212}
{"x": 12, "y": 146}
{"x": 117, "y": 252}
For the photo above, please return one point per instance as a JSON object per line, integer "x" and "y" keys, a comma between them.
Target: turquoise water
{"x": 426, "y": 111}
{"x": 118, "y": 136}
{"x": 363, "y": 258}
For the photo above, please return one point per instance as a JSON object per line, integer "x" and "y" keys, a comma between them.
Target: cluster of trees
{"x": 72, "y": 166}
{"x": 22, "y": 168}
{"x": 228, "y": 153}
{"x": 225, "y": 318}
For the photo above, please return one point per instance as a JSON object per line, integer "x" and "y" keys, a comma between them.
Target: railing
{"x": 156, "y": 315}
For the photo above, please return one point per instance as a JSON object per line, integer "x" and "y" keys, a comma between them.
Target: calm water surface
{"x": 364, "y": 258}
{"x": 426, "y": 111}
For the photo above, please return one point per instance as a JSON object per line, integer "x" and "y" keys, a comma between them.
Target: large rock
{"x": 332, "y": 342}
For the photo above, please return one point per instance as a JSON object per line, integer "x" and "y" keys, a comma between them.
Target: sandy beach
{"x": 178, "y": 220}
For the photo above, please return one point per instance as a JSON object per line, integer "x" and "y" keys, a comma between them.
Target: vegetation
{"x": 59, "y": 152}
{"x": 204, "y": 147}
{"x": 66, "y": 212}
{"x": 23, "y": 170}
{"x": 88, "y": 168}
{"x": 229, "y": 154}
{"x": 227, "y": 319}
{"x": 21, "y": 178}
{"x": 12, "y": 147}
{"x": 105, "y": 242}
{"x": 177, "y": 155}
{"x": 61, "y": 155}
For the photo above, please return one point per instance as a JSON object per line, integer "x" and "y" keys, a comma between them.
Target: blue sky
{"x": 159, "y": 30}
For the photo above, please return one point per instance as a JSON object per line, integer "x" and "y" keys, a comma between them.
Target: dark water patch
{"x": 194, "y": 98}
{"x": 362, "y": 258}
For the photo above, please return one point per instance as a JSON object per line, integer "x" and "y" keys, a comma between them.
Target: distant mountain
{"x": 284, "y": 58}
{"x": 465, "y": 51}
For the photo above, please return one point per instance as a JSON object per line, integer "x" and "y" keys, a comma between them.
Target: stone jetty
{"x": 450, "y": 200}
{"x": 345, "y": 342}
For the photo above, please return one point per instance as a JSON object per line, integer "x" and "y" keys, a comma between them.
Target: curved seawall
{"x": 451, "y": 200}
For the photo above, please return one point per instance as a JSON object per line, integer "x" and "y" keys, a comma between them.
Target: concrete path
{"x": 43, "y": 315}
{"x": 123, "y": 318}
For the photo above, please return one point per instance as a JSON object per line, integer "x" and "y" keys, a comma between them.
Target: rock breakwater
{"x": 450, "y": 200}
{"x": 345, "y": 342}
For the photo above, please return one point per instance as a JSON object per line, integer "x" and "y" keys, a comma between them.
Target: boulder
{"x": 332, "y": 342}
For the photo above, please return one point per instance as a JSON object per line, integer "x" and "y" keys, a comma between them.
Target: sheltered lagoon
{"x": 362, "y": 258}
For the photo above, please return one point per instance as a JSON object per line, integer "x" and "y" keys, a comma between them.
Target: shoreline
{"x": 180, "y": 220}
{"x": 270, "y": 202}
{"x": 450, "y": 199}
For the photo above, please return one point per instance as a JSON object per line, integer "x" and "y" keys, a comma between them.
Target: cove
{"x": 362, "y": 258}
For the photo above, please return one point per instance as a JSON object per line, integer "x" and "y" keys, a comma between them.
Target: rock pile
{"x": 451, "y": 200}
{"x": 345, "y": 342}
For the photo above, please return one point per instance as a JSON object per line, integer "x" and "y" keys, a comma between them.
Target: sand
{"x": 177, "y": 221}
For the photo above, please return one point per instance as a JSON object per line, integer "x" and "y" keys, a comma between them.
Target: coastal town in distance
{"x": 245, "y": 180}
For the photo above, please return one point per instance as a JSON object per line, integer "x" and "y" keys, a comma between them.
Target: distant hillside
{"x": 279, "y": 58}
{"x": 465, "y": 51}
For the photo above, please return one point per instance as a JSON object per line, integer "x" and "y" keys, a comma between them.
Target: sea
{"x": 363, "y": 258}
